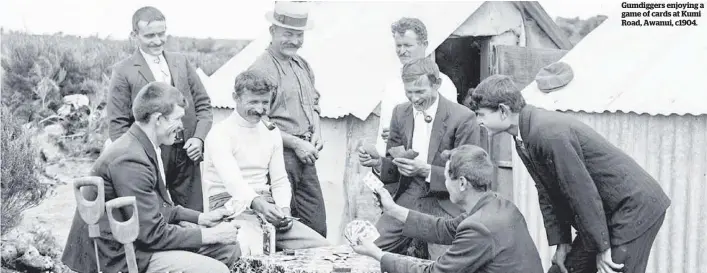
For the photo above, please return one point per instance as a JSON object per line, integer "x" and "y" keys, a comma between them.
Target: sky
{"x": 220, "y": 19}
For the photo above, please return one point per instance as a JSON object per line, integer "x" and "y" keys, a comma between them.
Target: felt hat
{"x": 554, "y": 76}
{"x": 292, "y": 15}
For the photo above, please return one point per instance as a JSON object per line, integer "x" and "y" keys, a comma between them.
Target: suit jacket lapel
{"x": 174, "y": 65}
{"x": 152, "y": 154}
{"x": 439, "y": 126}
{"x": 409, "y": 124}
{"x": 143, "y": 68}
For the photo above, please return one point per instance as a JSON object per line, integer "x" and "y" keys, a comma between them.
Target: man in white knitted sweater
{"x": 244, "y": 168}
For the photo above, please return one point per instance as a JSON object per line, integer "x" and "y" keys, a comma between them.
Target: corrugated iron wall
{"x": 671, "y": 148}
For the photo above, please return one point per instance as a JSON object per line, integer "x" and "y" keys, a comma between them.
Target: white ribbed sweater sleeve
{"x": 279, "y": 183}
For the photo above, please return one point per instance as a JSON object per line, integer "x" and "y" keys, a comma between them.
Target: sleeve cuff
{"x": 184, "y": 214}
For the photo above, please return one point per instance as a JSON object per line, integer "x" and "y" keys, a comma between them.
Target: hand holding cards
{"x": 399, "y": 151}
{"x": 234, "y": 208}
{"x": 360, "y": 230}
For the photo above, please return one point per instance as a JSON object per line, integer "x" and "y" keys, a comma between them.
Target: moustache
{"x": 293, "y": 46}
{"x": 256, "y": 113}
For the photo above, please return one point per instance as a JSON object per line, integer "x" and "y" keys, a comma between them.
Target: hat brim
{"x": 270, "y": 16}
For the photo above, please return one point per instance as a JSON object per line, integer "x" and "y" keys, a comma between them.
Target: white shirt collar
{"x": 150, "y": 59}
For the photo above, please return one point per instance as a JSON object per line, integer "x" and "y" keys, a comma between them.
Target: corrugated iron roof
{"x": 656, "y": 70}
{"x": 352, "y": 55}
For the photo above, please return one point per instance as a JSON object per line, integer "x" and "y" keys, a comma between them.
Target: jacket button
{"x": 164, "y": 204}
{"x": 640, "y": 222}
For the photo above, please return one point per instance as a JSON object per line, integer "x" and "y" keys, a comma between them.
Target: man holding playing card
{"x": 244, "y": 169}
{"x": 490, "y": 236}
{"x": 427, "y": 124}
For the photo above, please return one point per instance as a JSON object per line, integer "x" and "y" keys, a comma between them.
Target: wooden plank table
{"x": 314, "y": 260}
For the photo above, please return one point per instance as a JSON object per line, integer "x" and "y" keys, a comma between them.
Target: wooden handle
{"x": 130, "y": 258}
{"x": 125, "y": 232}
{"x": 90, "y": 188}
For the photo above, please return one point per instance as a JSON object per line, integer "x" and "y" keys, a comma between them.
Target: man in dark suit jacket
{"x": 583, "y": 181}
{"x": 490, "y": 236}
{"x": 131, "y": 167}
{"x": 150, "y": 63}
{"x": 428, "y": 124}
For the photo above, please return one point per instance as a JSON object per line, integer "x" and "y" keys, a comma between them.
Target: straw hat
{"x": 292, "y": 15}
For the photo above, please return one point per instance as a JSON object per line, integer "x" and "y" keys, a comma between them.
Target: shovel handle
{"x": 127, "y": 231}
{"x": 130, "y": 258}
{"x": 90, "y": 211}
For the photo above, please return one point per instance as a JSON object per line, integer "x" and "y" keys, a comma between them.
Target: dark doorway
{"x": 460, "y": 59}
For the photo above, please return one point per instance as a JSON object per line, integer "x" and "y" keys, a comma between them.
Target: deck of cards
{"x": 400, "y": 151}
{"x": 360, "y": 230}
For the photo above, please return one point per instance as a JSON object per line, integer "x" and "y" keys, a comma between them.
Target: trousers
{"x": 307, "y": 199}
{"x": 183, "y": 177}
{"x": 633, "y": 254}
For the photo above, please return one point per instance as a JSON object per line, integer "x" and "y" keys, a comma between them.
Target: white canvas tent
{"x": 352, "y": 55}
{"x": 645, "y": 95}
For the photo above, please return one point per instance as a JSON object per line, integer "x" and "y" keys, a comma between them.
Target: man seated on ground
{"x": 132, "y": 166}
{"x": 244, "y": 165}
{"x": 491, "y": 236}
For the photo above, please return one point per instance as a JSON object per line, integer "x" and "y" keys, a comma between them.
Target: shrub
{"x": 21, "y": 188}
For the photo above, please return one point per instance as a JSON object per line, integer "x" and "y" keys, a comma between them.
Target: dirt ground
{"x": 57, "y": 211}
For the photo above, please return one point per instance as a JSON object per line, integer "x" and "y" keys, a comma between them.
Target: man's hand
{"x": 224, "y": 233}
{"x": 213, "y": 217}
{"x": 306, "y": 152}
{"x": 270, "y": 211}
{"x": 317, "y": 142}
{"x": 367, "y": 160}
{"x": 385, "y": 134}
{"x": 412, "y": 167}
{"x": 386, "y": 200}
{"x": 368, "y": 248}
{"x": 285, "y": 224}
{"x": 186, "y": 224}
{"x": 194, "y": 147}
{"x": 561, "y": 255}
{"x": 605, "y": 264}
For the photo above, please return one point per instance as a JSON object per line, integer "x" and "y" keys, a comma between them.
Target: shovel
{"x": 90, "y": 211}
{"x": 125, "y": 232}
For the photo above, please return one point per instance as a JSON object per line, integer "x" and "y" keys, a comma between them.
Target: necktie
{"x": 163, "y": 74}
{"x": 420, "y": 141}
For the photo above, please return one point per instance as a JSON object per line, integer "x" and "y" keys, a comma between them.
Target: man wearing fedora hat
{"x": 295, "y": 110}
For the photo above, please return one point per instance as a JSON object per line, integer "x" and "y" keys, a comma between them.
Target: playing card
{"x": 372, "y": 182}
{"x": 397, "y": 151}
{"x": 369, "y": 149}
{"x": 400, "y": 151}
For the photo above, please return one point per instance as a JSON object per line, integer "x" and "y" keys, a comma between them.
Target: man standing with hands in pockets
{"x": 295, "y": 109}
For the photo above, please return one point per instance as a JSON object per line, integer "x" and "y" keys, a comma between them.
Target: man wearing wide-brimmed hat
{"x": 295, "y": 110}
